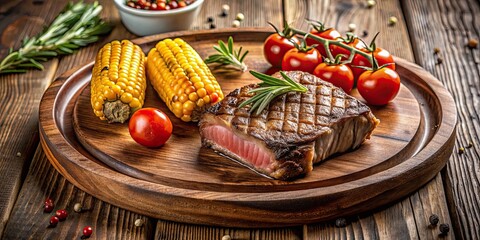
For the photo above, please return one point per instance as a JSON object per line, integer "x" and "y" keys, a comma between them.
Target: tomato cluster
{"x": 376, "y": 80}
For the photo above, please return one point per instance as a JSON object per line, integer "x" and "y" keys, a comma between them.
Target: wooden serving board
{"x": 184, "y": 182}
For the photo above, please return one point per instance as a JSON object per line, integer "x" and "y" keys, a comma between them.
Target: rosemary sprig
{"x": 270, "y": 88}
{"x": 76, "y": 26}
{"x": 228, "y": 56}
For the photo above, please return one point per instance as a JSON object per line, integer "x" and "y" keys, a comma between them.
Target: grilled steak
{"x": 294, "y": 132}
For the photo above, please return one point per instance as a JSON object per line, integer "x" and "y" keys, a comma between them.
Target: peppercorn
{"x": 19, "y": 154}
{"x": 371, "y": 3}
{"x": 225, "y": 9}
{"x": 439, "y": 60}
{"x": 77, "y": 207}
{"x": 470, "y": 144}
{"x": 341, "y": 222}
{"x": 364, "y": 33}
{"x": 433, "y": 219}
{"x": 472, "y": 43}
{"x": 210, "y": 19}
{"x": 240, "y": 17}
{"x": 61, "y": 214}
{"x": 212, "y": 26}
{"x": 444, "y": 228}
{"x": 226, "y": 237}
{"x": 392, "y": 20}
{"x": 436, "y": 50}
{"x": 139, "y": 222}
{"x": 352, "y": 27}
{"x": 53, "y": 221}
{"x": 87, "y": 232}
{"x": 48, "y": 205}
{"x": 235, "y": 23}
{"x": 461, "y": 150}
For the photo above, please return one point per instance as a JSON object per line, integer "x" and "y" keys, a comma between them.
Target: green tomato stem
{"x": 326, "y": 43}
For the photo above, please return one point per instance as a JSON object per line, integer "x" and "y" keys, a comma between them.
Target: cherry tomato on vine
{"x": 301, "y": 60}
{"x": 379, "y": 87}
{"x": 381, "y": 55}
{"x": 277, "y": 44}
{"x": 330, "y": 33}
{"x": 339, "y": 75}
{"x": 150, "y": 127}
{"x": 352, "y": 42}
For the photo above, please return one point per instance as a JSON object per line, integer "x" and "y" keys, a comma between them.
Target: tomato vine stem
{"x": 326, "y": 43}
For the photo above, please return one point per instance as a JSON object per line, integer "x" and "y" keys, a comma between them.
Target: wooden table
{"x": 27, "y": 177}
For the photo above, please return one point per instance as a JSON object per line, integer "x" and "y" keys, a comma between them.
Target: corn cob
{"x": 182, "y": 79}
{"x": 118, "y": 81}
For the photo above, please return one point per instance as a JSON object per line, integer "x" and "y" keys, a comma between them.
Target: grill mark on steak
{"x": 296, "y": 129}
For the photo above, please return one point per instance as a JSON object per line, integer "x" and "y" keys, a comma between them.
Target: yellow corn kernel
{"x": 181, "y": 78}
{"x": 118, "y": 81}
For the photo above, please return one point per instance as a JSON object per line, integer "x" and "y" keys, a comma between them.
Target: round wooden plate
{"x": 184, "y": 182}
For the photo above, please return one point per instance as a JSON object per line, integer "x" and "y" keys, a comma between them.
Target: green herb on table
{"x": 76, "y": 26}
{"x": 228, "y": 56}
{"x": 269, "y": 89}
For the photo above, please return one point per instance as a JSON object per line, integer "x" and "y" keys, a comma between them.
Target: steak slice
{"x": 294, "y": 132}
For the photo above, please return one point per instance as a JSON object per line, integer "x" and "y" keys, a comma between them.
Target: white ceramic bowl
{"x": 148, "y": 22}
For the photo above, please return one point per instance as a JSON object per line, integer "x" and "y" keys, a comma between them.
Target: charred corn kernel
{"x": 118, "y": 81}
{"x": 181, "y": 78}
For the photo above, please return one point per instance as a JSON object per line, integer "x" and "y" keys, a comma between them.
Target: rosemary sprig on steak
{"x": 269, "y": 89}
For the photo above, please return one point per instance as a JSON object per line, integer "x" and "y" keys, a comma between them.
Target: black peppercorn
{"x": 444, "y": 228}
{"x": 212, "y": 26}
{"x": 365, "y": 33}
{"x": 341, "y": 222}
{"x": 210, "y": 19}
{"x": 433, "y": 219}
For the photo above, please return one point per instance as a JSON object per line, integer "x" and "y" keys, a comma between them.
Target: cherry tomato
{"x": 295, "y": 59}
{"x": 150, "y": 127}
{"x": 330, "y": 33}
{"x": 338, "y": 74}
{"x": 275, "y": 47}
{"x": 381, "y": 55}
{"x": 379, "y": 87}
{"x": 356, "y": 43}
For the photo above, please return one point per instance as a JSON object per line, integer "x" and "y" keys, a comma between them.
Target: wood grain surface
{"x": 449, "y": 25}
{"x": 430, "y": 24}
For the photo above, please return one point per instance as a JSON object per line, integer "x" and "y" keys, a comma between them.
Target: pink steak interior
{"x": 246, "y": 150}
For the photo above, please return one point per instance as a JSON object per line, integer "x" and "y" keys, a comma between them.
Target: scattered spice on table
{"x": 226, "y": 237}
{"x": 210, "y": 19}
{"x": 352, "y": 27}
{"x": 433, "y": 220}
{"x": 444, "y": 228}
{"x": 470, "y": 144}
{"x": 62, "y": 214}
{"x": 392, "y": 20}
{"x": 77, "y": 207}
{"x": 461, "y": 150}
{"x": 139, "y": 222}
{"x": 364, "y": 33}
{"x": 212, "y": 26}
{"x": 235, "y": 23}
{"x": 53, "y": 221}
{"x": 472, "y": 43}
{"x": 240, "y": 17}
{"x": 48, "y": 205}
{"x": 371, "y": 3}
{"x": 341, "y": 222}
{"x": 439, "y": 60}
{"x": 19, "y": 154}
{"x": 436, "y": 50}
{"x": 225, "y": 9}
{"x": 87, "y": 232}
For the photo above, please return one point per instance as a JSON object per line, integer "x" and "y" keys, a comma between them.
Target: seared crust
{"x": 292, "y": 123}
